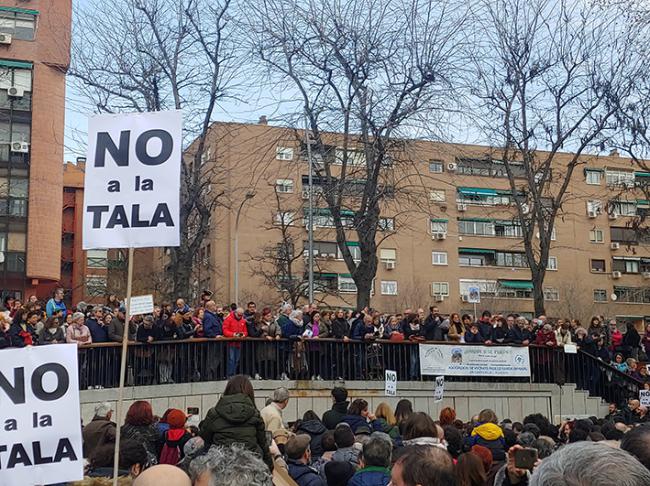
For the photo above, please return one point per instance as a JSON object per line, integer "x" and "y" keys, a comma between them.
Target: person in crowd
{"x": 386, "y": 421}
{"x": 619, "y": 364}
{"x": 431, "y": 326}
{"x": 403, "y": 411}
{"x": 270, "y": 330}
{"x": 272, "y": 413}
{"x": 235, "y": 418}
{"x": 585, "y": 342}
{"x": 197, "y": 320}
{"x": 359, "y": 416}
{"x": 139, "y": 425}
{"x": 249, "y": 313}
{"x": 631, "y": 342}
{"x": 100, "y": 430}
{"x": 488, "y": 434}
{"x": 447, "y": 416}
{"x": 181, "y": 307}
{"x": 132, "y": 461}
{"x": 146, "y": 332}
{"x": 339, "y": 409}
{"x": 163, "y": 474}
{"x": 374, "y": 463}
{"x": 615, "y": 337}
{"x": 312, "y": 426}
{"x": 590, "y": 464}
{"x": 470, "y": 470}
{"x": 546, "y": 337}
{"x": 345, "y": 445}
{"x": 637, "y": 443}
{"x": 500, "y": 330}
{"x": 474, "y": 335}
{"x": 232, "y": 465}
{"x": 456, "y": 329}
{"x": 5, "y": 336}
{"x": 175, "y": 438}
{"x": 563, "y": 334}
{"x": 340, "y": 326}
{"x": 113, "y": 303}
{"x": 423, "y": 466}
{"x": 52, "y": 332}
{"x": 116, "y": 327}
{"x": 338, "y": 473}
{"x": 485, "y": 327}
{"x": 298, "y": 459}
{"x": 56, "y": 306}
{"x": 517, "y": 333}
{"x": 21, "y": 332}
{"x": 212, "y": 321}
{"x": 315, "y": 330}
{"x": 97, "y": 326}
{"x": 234, "y": 326}
{"x": 78, "y": 332}
{"x": 421, "y": 430}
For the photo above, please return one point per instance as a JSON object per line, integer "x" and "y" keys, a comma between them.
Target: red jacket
{"x": 232, "y": 326}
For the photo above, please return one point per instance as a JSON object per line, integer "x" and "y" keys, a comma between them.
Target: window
{"x": 438, "y": 226}
{"x": 386, "y": 224}
{"x": 436, "y": 166}
{"x": 476, "y": 227}
{"x": 20, "y": 23}
{"x": 96, "y": 284}
{"x": 322, "y": 218}
{"x": 552, "y": 263}
{"x": 355, "y": 251}
{"x": 600, "y": 295}
{"x": 471, "y": 260}
{"x": 624, "y": 235}
{"x": 632, "y": 295}
{"x": 284, "y": 153}
{"x": 596, "y": 236}
{"x": 387, "y": 254}
{"x": 487, "y": 287}
{"x": 597, "y": 266}
{"x": 437, "y": 195}
{"x": 619, "y": 178}
{"x": 508, "y": 229}
{"x": 625, "y": 265}
{"x": 489, "y": 168}
{"x": 551, "y": 294}
{"x": 622, "y": 208}
{"x": 511, "y": 259}
{"x": 322, "y": 249}
{"x": 285, "y": 218}
{"x": 346, "y": 284}
{"x": 284, "y": 185}
{"x": 483, "y": 197}
{"x": 355, "y": 157}
{"x": 593, "y": 177}
{"x": 97, "y": 258}
{"x": 439, "y": 258}
{"x": 388, "y": 287}
{"x": 594, "y": 206}
{"x": 440, "y": 288}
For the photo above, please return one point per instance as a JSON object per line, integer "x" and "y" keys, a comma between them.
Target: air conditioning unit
{"x": 5, "y": 39}
{"x": 439, "y": 298}
{"x": 389, "y": 264}
{"x": 629, "y": 184}
{"x": 613, "y": 215}
{"x": 331, "y": 255}
{"x": 439, "y": 236}
{"x": 16, "y": 92}
{"x": 464, "y": 298}
{"x": 462, "y": 207}
{"x": 615, "y": 245}
{"x": 592, "y": 214}
{"x": 21, "y": 147}
{"x": 645, "y": 274}
{"x": 305, "y": 195}
{"x": 452, "y": 166}
{"x": 617, "y": 274}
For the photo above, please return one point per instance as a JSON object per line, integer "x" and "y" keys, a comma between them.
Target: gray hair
{"x": 286, "y": 307}
{"x": 232, "y": 465}
{"x": 296, "y": 315}
{"x": 78, "y": 315}
{"x": 590, "y": 464}
{"x": 102, "y": 409}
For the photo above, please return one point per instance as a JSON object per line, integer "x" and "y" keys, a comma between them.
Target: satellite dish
{"x": 613, "y": 297}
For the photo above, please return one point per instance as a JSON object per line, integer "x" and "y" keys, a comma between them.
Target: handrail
{"x": 609, "y": 368}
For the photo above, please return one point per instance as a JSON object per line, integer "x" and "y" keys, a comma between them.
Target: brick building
{"x": 34, "y": 58}
{"x": 465, "y": 234}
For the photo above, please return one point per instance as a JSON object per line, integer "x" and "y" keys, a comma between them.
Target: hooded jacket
{"x": 491, "y": 436}
{"x": 304, "y": 475}
{"x": 235, "y": 419}
{"x": 371, "y": 476}
{"x": 333, "y": 417}
{"x": 315, "y": 429}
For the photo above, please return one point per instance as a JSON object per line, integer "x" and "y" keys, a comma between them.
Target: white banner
{"x": 141, "y": 304}
{"x": 644, "y": 397}
{"x": 454, "y": 360}
{"x": 439, "y": 391}
{"x": 390, "y": 389}
{"x": 132, "y": 182}
{"x": 39, "y": 415}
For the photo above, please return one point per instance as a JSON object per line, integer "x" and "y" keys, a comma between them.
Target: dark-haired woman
{"x": 236, "y": 420}
{"x": 139, "y": 425}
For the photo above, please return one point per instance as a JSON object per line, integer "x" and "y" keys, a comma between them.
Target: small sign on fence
{"x": 439, "y": 391}
{"x": 141, "y": 304}
{"x": 391, "y": 383}
{"x": 644, "y": 397}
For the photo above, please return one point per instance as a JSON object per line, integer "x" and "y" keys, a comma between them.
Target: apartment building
{"x": 462, "y": 233}
{"x": 34, "y": 58}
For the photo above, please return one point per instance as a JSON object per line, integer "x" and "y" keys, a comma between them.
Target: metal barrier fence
{"x": 200, "y": 360}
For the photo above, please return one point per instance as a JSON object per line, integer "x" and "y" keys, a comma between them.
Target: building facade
{"x": 34, "y": 58}
{"x": 462, "y": 233}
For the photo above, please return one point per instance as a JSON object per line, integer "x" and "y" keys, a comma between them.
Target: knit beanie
{"x": 176, "y": 419}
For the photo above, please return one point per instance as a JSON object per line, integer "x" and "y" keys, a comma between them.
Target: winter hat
{"x": 338, "y": 473}
{"x": 176, "y": 419}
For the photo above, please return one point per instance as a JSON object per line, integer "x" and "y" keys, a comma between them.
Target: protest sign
{"x": 474, "y": 295}
{"x": 391, "y": 383}
{"x": 132, "y": 181}
{"x": 570, "y": 348}
{"x": 455, "y": 360}
{"x": 439, "y": 391}
{"x": 141, "y": 304}
{"x": 644, "y": 397}
{"x": 40, "y": 416}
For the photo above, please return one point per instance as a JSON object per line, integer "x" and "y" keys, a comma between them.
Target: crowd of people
{"x": 38, "y": 323}
{"x": 351, "y": 445}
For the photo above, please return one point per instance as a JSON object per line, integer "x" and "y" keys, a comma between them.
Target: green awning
{"x": 345, "y": 275}
{"x": 477, "y": 220}
{"x": 434, "y": 220}
{"x": 352, "y": 243}
{"x": 516, "y": 284}
{"x": 593, "y": 169}
{"x": 642, "y": 203}
{"x": 19, "y": 10}
{"x": 507, "y": 222}
{"x": 326, "y": 212}
{"x": 325, "y": 275}
{"x": 476, "y": 251}
{"x": 15, "y": 64}
{"x": 503, "y": 192}
{"x": 642, "y": 174}
{"x": 477, "y": 191}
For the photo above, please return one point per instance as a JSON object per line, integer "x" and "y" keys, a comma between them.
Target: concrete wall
{"x": 508, "y": 400}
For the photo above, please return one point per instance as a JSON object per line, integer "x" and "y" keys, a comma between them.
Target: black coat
{"x": 315, "y": 429}
{"x": 340, "y": 328}
{"x": 431, "y": 330}
{"x": 333, "y": 417}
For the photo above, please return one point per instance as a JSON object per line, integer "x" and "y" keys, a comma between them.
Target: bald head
{"x": 163, "y": 474}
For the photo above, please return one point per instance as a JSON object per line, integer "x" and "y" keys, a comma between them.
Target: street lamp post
{"x": 249, "y": 195}
{"x": 310, "y": 217}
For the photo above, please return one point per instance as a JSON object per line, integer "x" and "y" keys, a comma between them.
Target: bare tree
{"x": 548, "y": 75}
{"x": 151, "y": 55}
{"x": 371, "y": 71}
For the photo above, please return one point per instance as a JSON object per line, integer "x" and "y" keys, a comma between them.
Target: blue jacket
{"x": 212, "y": 325}
{"x": 371, "y": 476}
{"x": 516, "y": 335}
{"x": 474, "y": 338}
{"x": 304, "y": 475}
{"x": 357, "y": 421}
{"x": 53, "y": 306}
{"x": 486, "y": 330}
{"x": 98, "y": 332}
{"x": 360, "y": 330}
{"x": 289, "y": 328}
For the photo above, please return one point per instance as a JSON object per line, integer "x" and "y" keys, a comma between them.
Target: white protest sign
{"x": 39, "y": 416}
{"x": 132, "y": 182}
{"x": 439, "y": 391}
{"x": 644, "y": 397}
{"x": 570, "y": 348}
{"x": 141, "y": 304}
{"x": 391, "y": 383}
{"x": 474, "y": 295}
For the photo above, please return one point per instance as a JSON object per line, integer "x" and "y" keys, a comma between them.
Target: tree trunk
{"x": 538, "y": 293}
{"x": 364, "y": 286}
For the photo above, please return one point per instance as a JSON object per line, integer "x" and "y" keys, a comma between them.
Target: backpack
{"x": 171, "y": 451}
